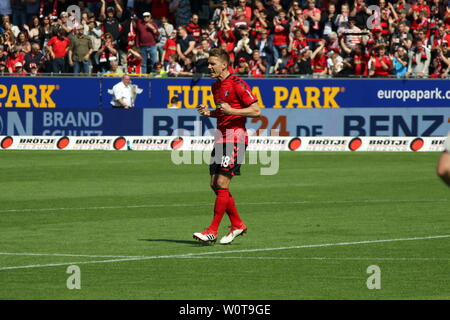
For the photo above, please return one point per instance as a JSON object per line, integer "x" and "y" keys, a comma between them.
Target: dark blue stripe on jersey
{"x": 251, "y": 103}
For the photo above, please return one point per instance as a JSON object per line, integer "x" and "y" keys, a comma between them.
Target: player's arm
{"x": 252, "y": 111}
{"x": 204, "y": 111}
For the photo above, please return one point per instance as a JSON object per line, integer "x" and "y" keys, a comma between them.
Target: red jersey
{"x": 234, "y": 91}
{"x": 171, "y": 48}
{"x": 194, "y": 30}
{"x": 59, "y": 46}
{"x": 12, "y": 61}
{"x": 319, "y": 63}
{"x": 134, "y": 64}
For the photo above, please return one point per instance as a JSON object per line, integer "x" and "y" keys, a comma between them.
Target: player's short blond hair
{"x": 221, "y": 54}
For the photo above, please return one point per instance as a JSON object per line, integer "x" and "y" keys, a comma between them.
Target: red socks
{"x": 220, "y": 206}
{"x": 233, "y": 213}
{"x": 224, "y": 202}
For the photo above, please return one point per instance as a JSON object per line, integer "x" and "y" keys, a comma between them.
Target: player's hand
{"x": 203, "y": 110}
{"x": 225, "y": 108}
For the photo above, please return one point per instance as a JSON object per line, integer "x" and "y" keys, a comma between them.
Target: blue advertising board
{"x": 71, "y": 122}
{"x": 294, "y": 107}
{"x": 289, "y": 122}
{"x": 313, "y": 94}
{"x": 49, "y": 93}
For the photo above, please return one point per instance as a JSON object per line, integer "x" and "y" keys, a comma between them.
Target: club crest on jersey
{"x": 227, "y": 93}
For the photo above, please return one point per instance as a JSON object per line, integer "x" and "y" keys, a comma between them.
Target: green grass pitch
{"x": 126, "y": 220}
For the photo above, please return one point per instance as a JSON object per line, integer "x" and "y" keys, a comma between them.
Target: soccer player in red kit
{"x": 235, "y": 102}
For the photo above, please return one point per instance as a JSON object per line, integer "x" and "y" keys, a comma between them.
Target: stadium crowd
{"x": 318, "y": 38}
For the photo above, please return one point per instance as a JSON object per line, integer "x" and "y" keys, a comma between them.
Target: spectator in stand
{"x": 212, "y": 33}
{"x": 386, "y": 25}
{"x": 63, "y": 24}
{"x": 80, "y": 52}
{"x": 32, "y": 29}
{"x": 280, "y": 34}
{"x": 7, "y": 40}
{"x": 304, "y": 63}
{"x": 3, "y": 54}
{"x": 419, "y": 60}
{"x": 419, "y": 21}
{"x": 110, "y": 18}
{"x": 446, "y": 16}
{"x": 159, "y": 9}
{"x": 165, "y": 30}
{"x": 200, "y": 57}
{"x": 282, "y": 61}
{"x": 242, "y": 4}
{"x": 313, "y": 15}
{"x": 400, "y": 62}
{"x": 273, "y": 9}
{"x": 34, "y": 57}
{"x": 243, "y": 47}
{"x": 333, "y": 42}
{"x": 46, "y": 31}
{"x": 401, "y": 37}
{"x": 240, "y": 21}
{"x": 173, "y": 68}
{"x": 418, "y": 7}
{"x": 185, "y": 44}
{"x": 380, "y": 64}
{"x": 33, "y": 70}
{"x": 257, "y": 65}
{"x": 258, "y": 6}
{"x": 422, "y": 35}
{"x": 181, "y": 10}
{"x": 114, "y": 70}
{"x": 327, "y": 20}
{"x": 259, "y": 23}
{"x": 170, "y": 48}
{"x": 3, "y": 69}
{"x": 294, "y": 6}
{"x": 95, "y": 33}
{"x": 296, "y": 43}
{"x": 18, "y": 69}
{"x": 378, "y": 38}
{"x": 159, "y": 71}
{"x": 193, "y": 28}
{"x": 360, "y": 12}
{"x": 441, "y": 64}
{"x": 134, "y": 61}
{"x": 188, "y": 69}
{"x": 226, "y": 35}
{"x": 22, "y": 43}
{"x": 335, "y": 63}
{"x": 352, "y": 33}
{"x": 299, "y": 22}
{"x": 15, "y": 56}
{"x": 266, "y": 50}
{"x": 8, "y": 25}
{"x": 146, "y": 38}
{"x": 356, "y": 60}
{"x": 242, "y": 69}
{"x": 342, "y": 18}
{"x": 223, "y": 11}
{"x": 266, "y": 23}
{"x": 107, "y": 53}
{"x": 440, "y": 37}
{"x": 319, "y": 60}
{"x": 57, "y": 48}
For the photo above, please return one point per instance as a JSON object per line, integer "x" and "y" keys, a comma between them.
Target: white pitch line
{"x": 228, "y": 251}
{"x": 320, "y": 258}
{"x": 64, "y": 255}
{"x": 162, "y": 205}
